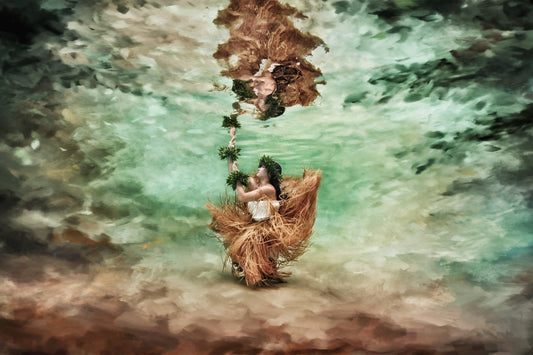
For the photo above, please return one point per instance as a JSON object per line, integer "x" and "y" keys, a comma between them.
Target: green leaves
{"x": 275, "y": 107}
{"x": 236, "y": 177}
{"x": 242, "y": 89}
{"x": 229, "y": 153}
{"x": 273, "y": 168}
{"x": 232, "y": 153}
{"x": 231, "y": 121}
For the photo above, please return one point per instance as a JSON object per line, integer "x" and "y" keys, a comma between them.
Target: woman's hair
{"x": 274, "y": 173}
{"x": 275, "y": 180}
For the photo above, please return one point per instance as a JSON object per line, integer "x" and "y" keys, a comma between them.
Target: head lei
{"x": 273, "y": 168}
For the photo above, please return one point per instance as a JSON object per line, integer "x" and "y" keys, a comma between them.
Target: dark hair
{"x": 276, "y": 182}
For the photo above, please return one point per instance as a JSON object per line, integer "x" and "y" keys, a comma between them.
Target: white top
{"x": 260, "y": 210}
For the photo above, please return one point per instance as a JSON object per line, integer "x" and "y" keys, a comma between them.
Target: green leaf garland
{"x": 231, "y": 121}
{"x": 275, "y": 107}
{"x": 229, "y": 153}
{"x": 271, "y": 167}
{"x": 236, "y": 177}
{"x": 242, "y": 89}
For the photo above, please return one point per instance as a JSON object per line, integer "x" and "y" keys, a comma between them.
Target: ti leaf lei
{"x": 231, "y": 121}
{"x": 235, "y": 177}
{"x": 229, "y": 153}
{"x": 270, "y": 166}
{"x": 233, "y": 154}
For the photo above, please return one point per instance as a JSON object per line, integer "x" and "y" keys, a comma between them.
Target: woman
{"x": 262, "y": 199}
{"x": 260, "y": 192}
{"x": 264, "y": 95}
{"x": 262, "y": 84}
{"x": 262, "y": 231}
{"x": 263, "y": 190}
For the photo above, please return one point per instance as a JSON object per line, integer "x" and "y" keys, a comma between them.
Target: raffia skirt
{"x": 258, "y": 249}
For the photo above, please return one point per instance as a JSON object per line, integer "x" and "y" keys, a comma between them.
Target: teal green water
{"x": 424, "y": 213}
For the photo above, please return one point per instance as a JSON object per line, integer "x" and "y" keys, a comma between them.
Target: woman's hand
{"x": 231, "y": 143}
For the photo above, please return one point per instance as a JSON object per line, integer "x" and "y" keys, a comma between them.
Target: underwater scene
{"x": 417, "y": 113}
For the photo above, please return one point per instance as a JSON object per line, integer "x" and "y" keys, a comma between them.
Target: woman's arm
{"x": 256, "y": 194}
{"x": 232, "y": 167}
{"x": 252, "y": 184}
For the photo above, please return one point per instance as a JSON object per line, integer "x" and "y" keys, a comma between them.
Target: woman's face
{"x": 262, "y": 172}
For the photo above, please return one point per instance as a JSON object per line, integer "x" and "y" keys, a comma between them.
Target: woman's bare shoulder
{"x": 269, "y": 190}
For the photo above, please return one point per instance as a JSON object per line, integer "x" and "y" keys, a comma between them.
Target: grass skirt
{"x": 258, "y": 249}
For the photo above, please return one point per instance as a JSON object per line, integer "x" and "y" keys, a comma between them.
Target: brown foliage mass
{"x": 261, "y": 29}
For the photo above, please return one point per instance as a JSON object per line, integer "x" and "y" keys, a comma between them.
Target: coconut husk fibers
{"x": 261, "y": 248}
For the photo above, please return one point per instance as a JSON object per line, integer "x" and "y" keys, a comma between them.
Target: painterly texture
{"x": 259, "y": 249}
{"x": 262, "y": 30}
{"x": 109, "y": 123}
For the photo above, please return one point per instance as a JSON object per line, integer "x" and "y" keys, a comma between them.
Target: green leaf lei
{"x": 271, "y": 167}
{"x": 231, "y": 121}
{"x": 242, "y": 89}
{"x": 236, "y": 177}
{"x": 275, "y": 107}
{"x": 229, "y": 153}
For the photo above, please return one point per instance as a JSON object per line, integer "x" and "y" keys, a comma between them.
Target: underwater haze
{"x": 110, "y": 121}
